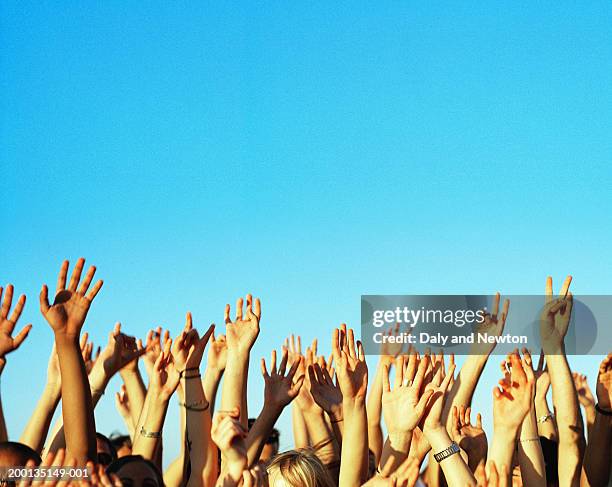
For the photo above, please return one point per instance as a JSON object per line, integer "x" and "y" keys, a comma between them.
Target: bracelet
{"x": 196, "y": 376}
{"x": 544, "y": 418}
{"x": 334, "y": 421}
{"x": 602, "y": 411}
{"x": 188, "y": 369}
{"x": 529, "y": 439}
{"x": 201, "y": 405}
{"x": 149, "y": 434}
{"x": 99, "y": 392}
{"x": 451, "y": 450}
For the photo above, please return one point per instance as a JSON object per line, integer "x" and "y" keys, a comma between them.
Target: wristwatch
{"x": 451, "y": 450}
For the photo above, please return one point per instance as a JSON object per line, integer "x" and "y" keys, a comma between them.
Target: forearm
{"x": 374, "y": 409}
{"x": 321, "y": 438}
{"x": 232, "y": 394}
{"x": 455, "y": 470}
{"x": 136, "y": 391}
{"x": 530, "y": 456}
{"x": 546, "y": 427}
{"x": 300, "y": 431}
{"x": 260, "y": 431}
{"x": 77, "y": 407}
{"x": 198, "y": 426}
{"x": 502, "y": 448}
{"x": 210, "y": 383}
{"x": 597, "y": 455}
{"x": 463, "y": 389}
{"x": 571, "y": 438}
{"x": 354, "y": 447}
{"x": 148, "y": 435}
{"x": 394, "y": 452}
{"x": 589, "y": 413}
{"x": 3, "y": 430}
{"x": 35, "y": 432}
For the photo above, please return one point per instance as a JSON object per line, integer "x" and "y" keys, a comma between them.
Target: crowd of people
{"x": 431, "y": 437}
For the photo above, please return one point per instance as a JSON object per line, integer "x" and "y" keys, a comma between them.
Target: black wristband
{"x": 602, "y": 411}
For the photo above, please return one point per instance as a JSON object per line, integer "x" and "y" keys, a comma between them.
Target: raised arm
{"x": 547, "y": 426}
{"x": 554, "y": 323}
{"x": 403, "y": 408}
{"x": 327, "y": 395}
{"x": 66, "y": 316}
{"x": 215, "y": 367}
{"x": 470, "y": 437}
{"x": 8, "y": 343}
{"x": 597, "y": 455}
{"x": 241, "y": 335}
{"x": 352, "y": 372}
{"x": 35, "y": 432}
{"x": 511, "y": 403}
{"x": 530, "y": 456}
{"x": 188, "y": 351}
{"x": 280, "y": 390}
{"x": 585, "y": 398}
{"x": 164, "y": 381}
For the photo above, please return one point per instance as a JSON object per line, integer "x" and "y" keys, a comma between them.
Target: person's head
{"x": 135, "y": 471}
{"x": 13, "y": 454}
{"x": 16, "y": 454}
{"x": 122, "y": 444}
{"x": 106, "y": 450}
{"x": 270, "y": 448}
{"x": 298, "y": 468}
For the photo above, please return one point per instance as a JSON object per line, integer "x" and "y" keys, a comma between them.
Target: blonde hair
{"x": 299, "y": 468}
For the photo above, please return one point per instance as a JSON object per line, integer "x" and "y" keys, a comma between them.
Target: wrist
{"x": 64, "y": 338}
{"x": 506, "y": 432}
{"x": 400, "y": 440}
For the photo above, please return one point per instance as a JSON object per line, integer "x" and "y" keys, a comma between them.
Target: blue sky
{"x": 308, "y": 153}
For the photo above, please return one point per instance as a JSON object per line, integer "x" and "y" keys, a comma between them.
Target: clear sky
{"x": 305, "y": 152}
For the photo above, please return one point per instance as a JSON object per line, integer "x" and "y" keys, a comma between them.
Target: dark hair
{"x": 118, "y": 440}
{"x": 550, "y": 451}
{"x": 123, "y": 461}
{"x": 111, "y": 447}
{"x": 273, "y": 437}
{"x": 23, "y": 452}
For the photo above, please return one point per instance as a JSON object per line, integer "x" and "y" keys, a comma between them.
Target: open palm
{"x": 69, "y": 309}
{"x": 8, "y": 343}
{"x": 243, "y": 331}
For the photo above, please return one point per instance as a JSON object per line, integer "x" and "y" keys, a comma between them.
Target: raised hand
{"x": 404, "y": 406}
{"x": 493, "y": 325}
{"x": 69, "y": 309}
{"x": 229, "y": 436}
{"x": 604, "y": 384}
{"x": 555, "y": 317}
{"x": 389, "y": 351}
{"x": 122, "y": 403}
{"x": 513, "y": 398}
{"x": 165, "y": 378}
{"x": 154, "y": 346}
{"x": 188, "y": 347}
{"x": 8, "y": 343}
{"x": 542, "y": 378}
{"x": 324, "y": 392}
{"x": 351, "y": 368}
{"x": 439, "y": 385}
{"x": 120, "y": 350}
{"x": 243, "y": 331}
{"x": 406, "y": 475}
{"x": 280, "y": 389}
{"x": 470, "y": 437}
{"x": 585, "y": 395}
{"x": 217, "y": 353}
